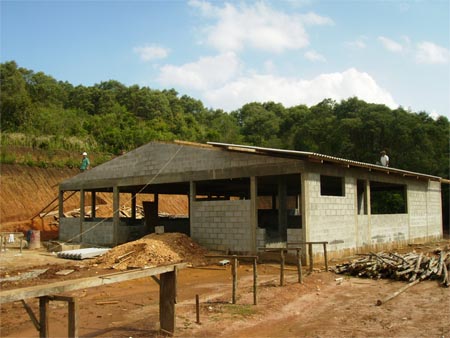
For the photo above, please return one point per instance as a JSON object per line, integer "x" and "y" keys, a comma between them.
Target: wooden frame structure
{"x": 234, "y": 268}
{"x": 295, "y": 245}
{"x": 167, "y": 296}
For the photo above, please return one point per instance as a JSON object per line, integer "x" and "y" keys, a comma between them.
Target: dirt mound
{"x": 153, "y": 250}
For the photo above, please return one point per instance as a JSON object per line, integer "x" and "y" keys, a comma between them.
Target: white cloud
{"x": 207, "y": 72}
{"x": 390, "y": 45}
{"x": 256, "y": 26}
{"x": 315, "y": 19}
{"x": 430, "y": 53}
{"x": 151, "y": 52}
{"x": 295, "y": 91}
{"x": 359, "y": 43}
{"x": 312, "y": 55}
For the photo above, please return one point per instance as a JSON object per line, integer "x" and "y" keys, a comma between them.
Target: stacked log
{"x": 407, "y": 267}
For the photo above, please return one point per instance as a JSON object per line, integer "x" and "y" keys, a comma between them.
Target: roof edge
{"x": 322, "y": 157}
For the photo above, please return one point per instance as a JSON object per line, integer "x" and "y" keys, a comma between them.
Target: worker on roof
{"x": 384, "y": 159}
{"x": 85, "y": 163}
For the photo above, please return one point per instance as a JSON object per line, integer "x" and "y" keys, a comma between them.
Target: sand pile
{"x": 154, "y": 250}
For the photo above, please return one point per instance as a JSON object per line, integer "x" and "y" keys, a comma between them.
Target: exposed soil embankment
{"x": 25, "y": 190}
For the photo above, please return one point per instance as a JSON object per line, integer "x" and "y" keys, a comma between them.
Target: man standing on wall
{"x": 384, "y": 159}
{"x": 85, "y": 163}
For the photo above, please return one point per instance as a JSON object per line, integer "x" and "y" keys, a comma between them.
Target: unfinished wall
{"x": 222, "y": 225}
{"x": 424, "y": 203}
{"x": 335, "y": 218}
{"x": 97, "y": 231}
{"x": 330, "y": 218}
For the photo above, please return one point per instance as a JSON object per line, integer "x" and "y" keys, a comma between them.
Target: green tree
{"x": 15, "y": 102}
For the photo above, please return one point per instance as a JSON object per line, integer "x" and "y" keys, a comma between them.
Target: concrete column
{"x": 305, "y": 213}
{"x": 282, "y": 210}
{"x": 133, "y": 206}
{"x": 116, "y": 215}
{"x": 253, "y": 211}
{"x": 369, "y": 214}
{"x": 61, "y": 204}
{"x": 82, "y": 200}
{"x": 93, "y": 204}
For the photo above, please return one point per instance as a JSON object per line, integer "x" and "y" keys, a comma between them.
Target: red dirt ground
{"x": 320, "y": 307}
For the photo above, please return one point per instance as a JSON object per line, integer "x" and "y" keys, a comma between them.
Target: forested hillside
{"x": 55, "y": 117}
{"x": 109, "y": 117}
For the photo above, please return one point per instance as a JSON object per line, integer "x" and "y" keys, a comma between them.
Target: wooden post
{"x": 167, "y": 301}
{"x": 311, "y": 259}
{"x": 325, "y": 255}
{"x": 73, "y": 318}
{"x": 299, "y": 267}
{"x": 43, "y": 317}
{"x": 282, "y": 268}
{"x": 255, "y": 282}
{"x": 197, "y": 308}
{"x": 234, "y": 273}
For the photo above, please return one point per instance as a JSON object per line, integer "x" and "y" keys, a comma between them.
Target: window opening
{"x": 332, "y": 186}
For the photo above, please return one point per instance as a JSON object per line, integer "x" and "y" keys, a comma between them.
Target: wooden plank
{"x": 12, "y": 295}
{"x": 167, "y": 294}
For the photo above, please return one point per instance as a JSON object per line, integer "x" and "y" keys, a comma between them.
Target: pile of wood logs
{"x": 407, "y": 267}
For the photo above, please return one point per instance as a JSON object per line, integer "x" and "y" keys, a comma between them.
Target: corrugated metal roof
{"x": 322, "y": 158}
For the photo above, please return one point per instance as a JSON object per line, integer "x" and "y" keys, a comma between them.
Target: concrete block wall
{"x": 222, "y": 225}
{"x": 97, "y": 231}
{"x": 93, "y": 233}
{"x": 101, "y": 234}
{"x": 331, "y": 218}
{"x": 363, "y": 231}
{"x": 294, "y": 236}
{"x": 434, "y": 205}
{"x": 69, "y": 228}
{"x": 388, "y": 228}
{"x": 417, "y": 208}
{"x": 260, "y": 238}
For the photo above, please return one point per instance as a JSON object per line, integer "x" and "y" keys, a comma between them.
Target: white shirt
{"x": 384, "y": 160}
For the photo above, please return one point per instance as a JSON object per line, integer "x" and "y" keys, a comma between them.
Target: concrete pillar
{"x": 369, "y": 214}
{"x": 305, "y": 213}
{"x": 116, "y": 215}
{"x": 61, "y": 204}
{"x": 282, "y": 210}
{"x": 93, "y": 204}
{"x": 133, "y": 206}
{"x": 254, "y": 212}
{"x": 82, "y": 213}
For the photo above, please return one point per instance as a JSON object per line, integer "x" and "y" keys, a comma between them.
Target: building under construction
{"x": 244, "y": 197}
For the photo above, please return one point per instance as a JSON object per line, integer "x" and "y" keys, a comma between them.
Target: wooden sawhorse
{"x": 167, "y": 296}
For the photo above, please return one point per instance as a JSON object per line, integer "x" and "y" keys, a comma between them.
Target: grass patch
{"x": 238, "y": 310}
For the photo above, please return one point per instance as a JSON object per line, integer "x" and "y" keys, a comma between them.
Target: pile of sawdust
{"x": 154, "y": 250}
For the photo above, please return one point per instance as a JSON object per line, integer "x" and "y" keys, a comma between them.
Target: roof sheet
{"x": 322, "y": 158}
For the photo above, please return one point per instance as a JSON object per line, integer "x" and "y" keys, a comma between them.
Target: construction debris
{"x": 154, "y": 250}
{"x": 408, "y": 267}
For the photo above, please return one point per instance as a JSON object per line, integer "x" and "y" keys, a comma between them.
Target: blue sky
{"x": 229, "y": 53}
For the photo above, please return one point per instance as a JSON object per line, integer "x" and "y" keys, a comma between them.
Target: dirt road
{"x": 320, "y": 307}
